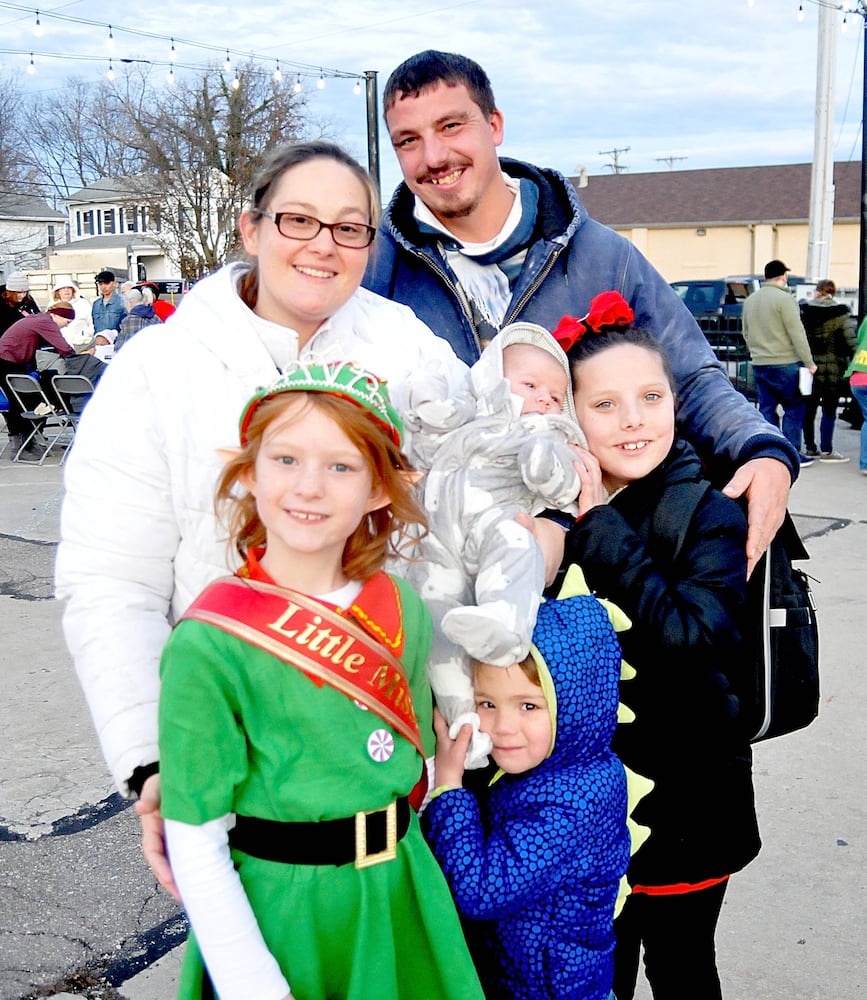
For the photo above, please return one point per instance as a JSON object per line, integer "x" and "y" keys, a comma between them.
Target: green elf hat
{"x": 339, "y": 378}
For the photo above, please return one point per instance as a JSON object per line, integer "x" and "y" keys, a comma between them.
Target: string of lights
{"x": 300, "y": 70}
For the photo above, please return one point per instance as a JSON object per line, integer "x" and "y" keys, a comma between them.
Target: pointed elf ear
{"x": 410, "y": 476}
{"x": 228, "y": 454}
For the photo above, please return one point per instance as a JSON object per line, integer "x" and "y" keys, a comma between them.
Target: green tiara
{"x": 339, "y": 378}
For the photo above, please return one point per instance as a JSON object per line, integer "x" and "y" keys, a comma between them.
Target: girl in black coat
{"x": 686, "y": 611}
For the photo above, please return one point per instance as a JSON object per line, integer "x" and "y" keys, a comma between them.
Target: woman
{"x": 81, "y": 328}
{"x": 171, "y": 398}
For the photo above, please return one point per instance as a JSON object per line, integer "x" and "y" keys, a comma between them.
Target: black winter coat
{"x": 684, "y": 641}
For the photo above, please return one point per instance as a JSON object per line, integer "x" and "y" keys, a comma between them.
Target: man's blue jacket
{"x": 573, "y": 259}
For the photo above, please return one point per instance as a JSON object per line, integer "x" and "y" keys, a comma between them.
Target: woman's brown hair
{"x": 383, "y": 532}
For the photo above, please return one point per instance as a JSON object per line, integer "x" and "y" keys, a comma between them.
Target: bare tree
{"x": 187, "y": 151}
{"x": 14, "y": 173}
{"x": 198, "y": 144}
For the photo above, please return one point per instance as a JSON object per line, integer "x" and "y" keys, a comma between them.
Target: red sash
{"x": 321, "y": 643}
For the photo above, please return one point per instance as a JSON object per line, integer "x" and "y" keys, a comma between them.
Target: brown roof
{"x": 718, "y": 196}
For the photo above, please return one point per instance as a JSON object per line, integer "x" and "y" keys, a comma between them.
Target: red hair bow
{"x": 606, "y": 309}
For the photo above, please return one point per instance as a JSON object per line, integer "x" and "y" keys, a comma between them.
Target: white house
{"x": 29, "y": 231}
{"x": 110, "y": 226}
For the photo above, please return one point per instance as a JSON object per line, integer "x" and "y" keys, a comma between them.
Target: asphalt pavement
{"x": 81, "y": 915}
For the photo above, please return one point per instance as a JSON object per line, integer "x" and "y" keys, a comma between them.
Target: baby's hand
{"x": 593, "y": 493}
{"x": 451, "y": 754}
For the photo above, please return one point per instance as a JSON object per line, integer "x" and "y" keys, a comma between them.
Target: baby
{"x": 502, "y": 448}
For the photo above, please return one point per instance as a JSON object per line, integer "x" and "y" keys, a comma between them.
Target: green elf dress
{"x": 248, "y": 732}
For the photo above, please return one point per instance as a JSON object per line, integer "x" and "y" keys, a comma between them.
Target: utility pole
{"x": 615, "y": 166}
{"x": 821, "y": 219}
{"x": 861, "y": 9}
{"x": 372, "y": 128}
{"x": 670, "y": 160}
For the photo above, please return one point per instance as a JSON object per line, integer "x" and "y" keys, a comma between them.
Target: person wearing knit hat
{"x": 18, "y": 347}
{"x": 502, "y": 449}
{"x": 15, "y": 301}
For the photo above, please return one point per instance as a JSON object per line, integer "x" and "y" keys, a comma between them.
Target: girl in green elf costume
{"x": 295, "y": 717}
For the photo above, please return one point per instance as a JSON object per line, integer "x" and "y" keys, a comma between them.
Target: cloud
{"x": 718, "y": 82}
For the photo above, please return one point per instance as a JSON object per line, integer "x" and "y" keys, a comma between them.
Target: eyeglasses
{"x": 353, "y": 235}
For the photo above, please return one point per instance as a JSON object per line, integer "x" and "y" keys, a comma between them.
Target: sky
{"x": 680, "y": 84}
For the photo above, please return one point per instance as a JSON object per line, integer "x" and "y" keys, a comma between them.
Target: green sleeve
{"x": 203, "y": 755}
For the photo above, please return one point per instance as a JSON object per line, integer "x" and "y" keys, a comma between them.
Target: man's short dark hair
{"x": 428, "y": 68}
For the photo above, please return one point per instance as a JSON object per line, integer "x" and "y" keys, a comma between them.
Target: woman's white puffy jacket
{"x": 139, "y": 538}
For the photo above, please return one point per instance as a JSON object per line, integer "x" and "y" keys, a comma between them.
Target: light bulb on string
{"x": 37, "y": 28}
{"x": 173, "y": 55}
{"x": 357, "y": 88}
{"x": 800, "y": 12}
{"x": 227, "y": 68}
{"x": 110, "y": 40}
{"x": 110, "y": 73}
{"x": 844, "y": 26}
{"x": 751, "y": 3}
{"x": 236, "y": 83}
{"x": 320, "y": 83}
{"x": 297, "y": 87}
{"x": 278, "y": 75}
{"x": 170, "y": 78}
{"x": 31, "y": 69}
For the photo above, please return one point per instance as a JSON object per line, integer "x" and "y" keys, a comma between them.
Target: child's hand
{"x": 451, "y": 754}
{"x": 593, "y": 493}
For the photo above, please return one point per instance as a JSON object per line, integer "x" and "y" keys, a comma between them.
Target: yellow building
{"x": 727, "y": 221}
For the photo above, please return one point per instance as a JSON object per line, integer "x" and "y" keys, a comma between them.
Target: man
{"x": 830, "y": 329}
{"x": 472, "y": 242}
{"x": 778, "y": 347}
{"x": 108, "y": 310}
{"x": 18, "y": 347}
{"x": 15, "y": 301}
{"x": 139, "y": 315}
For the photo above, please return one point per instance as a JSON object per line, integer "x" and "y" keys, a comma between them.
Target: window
{"x": 87, "y": 223}
{"x": 108, "y": 220}
{"x": 131, "y": 219}
{"x": 52, "y": 241}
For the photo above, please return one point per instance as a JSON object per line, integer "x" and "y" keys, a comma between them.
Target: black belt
{"x": 367, "y": 838}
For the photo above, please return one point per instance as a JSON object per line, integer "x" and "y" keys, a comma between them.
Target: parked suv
{"x": 707, "y": 297}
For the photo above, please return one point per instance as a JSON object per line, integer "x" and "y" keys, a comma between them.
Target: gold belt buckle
{"x": 362, "y": 858}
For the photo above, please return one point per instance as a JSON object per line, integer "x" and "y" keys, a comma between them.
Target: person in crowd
{"x": 830, "y": 329}
{"x": 139, "y": 314}
{"x": 108, "y": 310}
{"x": 314, "y": 499}
{"x": 18, "y": 347}
{"x": 857, "y": 375}
{"x": 472, "y": 242}
{"x": 16, "y": 302}
{"x": 687, "y": 610}
{"x": 535, "y": 870}
{"x": 149, "y": 437}
{"x": 150, "y": 291}
{"x": 779, "y": 348}
{"x": 81, "y": 328}
{"x": 83, "y": 362}
{"x": 500, "y": 449}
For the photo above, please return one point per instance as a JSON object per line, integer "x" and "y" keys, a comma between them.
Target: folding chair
{"x": 4, "y": 406}
{"x": 48, "y": 425}
{"x": 73, "y": 391}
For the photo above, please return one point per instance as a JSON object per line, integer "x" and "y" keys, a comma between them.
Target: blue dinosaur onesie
{"x": 543, "y": 864}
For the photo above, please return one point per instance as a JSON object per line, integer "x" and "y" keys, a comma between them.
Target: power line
{"x": 39, "y": 14}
